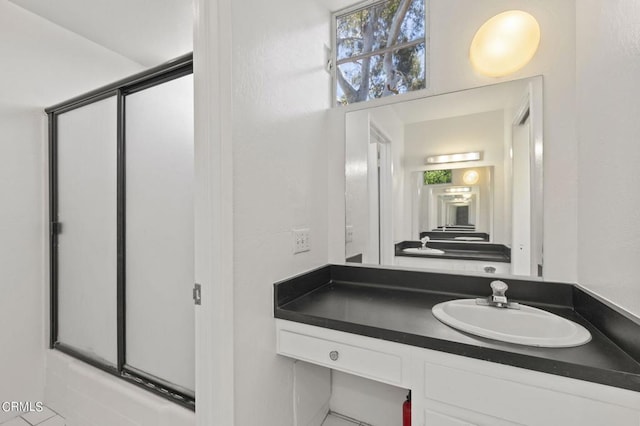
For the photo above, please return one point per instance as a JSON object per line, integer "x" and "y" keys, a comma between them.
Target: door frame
{"x": 214, "y": 213}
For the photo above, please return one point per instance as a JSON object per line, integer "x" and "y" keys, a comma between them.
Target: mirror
{"x": 449, "y": 182}
{"x": 454, "y": 204}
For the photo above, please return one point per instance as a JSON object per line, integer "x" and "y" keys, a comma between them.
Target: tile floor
{"x": 46, "y": 417}
{"x": 335, "y": 419}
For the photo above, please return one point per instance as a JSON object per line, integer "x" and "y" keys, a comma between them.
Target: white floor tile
{"x": 16, "y": 422}
{"x": 35, "y": 418}
{"x": 53, "y": 421}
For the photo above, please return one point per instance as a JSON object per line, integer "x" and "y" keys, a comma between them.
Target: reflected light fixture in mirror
{"x": 505, "y": 43}
{"x": 470, "y": 177}
{"x": 458, "y": 189}
{"x": 453, "y": 158}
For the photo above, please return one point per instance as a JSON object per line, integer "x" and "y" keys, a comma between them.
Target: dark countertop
{"x": 395, "y": 305}
{"x": 459, "y": 250}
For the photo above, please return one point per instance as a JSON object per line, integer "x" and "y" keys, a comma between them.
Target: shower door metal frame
{"x": 179, "y": 67}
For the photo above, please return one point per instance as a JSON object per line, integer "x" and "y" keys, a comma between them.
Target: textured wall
{"x": 280, "y": 102}
{"x": 608, "y": 107}
{"x": 42, "y": 64}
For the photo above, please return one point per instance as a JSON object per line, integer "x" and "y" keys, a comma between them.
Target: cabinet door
{"x": 439, "y": 414}
{"x": 433, "y": 418}
{"x": 518, "y": 402}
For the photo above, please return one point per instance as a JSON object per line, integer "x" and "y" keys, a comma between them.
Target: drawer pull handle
{"x": 334, "y": 355}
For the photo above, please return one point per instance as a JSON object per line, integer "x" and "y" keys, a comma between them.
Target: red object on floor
{"x": 406, "y": 411}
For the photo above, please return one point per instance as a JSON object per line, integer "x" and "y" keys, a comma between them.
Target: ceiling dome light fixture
{"x": 505, "y": 43}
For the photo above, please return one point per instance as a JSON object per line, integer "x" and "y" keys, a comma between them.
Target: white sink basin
{"x": 420, "y": 250}
{"x": 525, "y": 326}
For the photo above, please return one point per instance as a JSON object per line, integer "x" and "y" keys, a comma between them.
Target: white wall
{"x": 608, "y": 107}
{"x": 45, "y": 64}
{"x": 21, "y": 258}
{"x": 280, "y": 135}
{"x": 42, "y": 65}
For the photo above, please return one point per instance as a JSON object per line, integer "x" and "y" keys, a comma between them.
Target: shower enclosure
{"x": 121, "y": 229}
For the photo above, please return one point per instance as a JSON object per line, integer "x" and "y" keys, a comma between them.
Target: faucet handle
{"x": 498, "y": 299}
{"x": 499, "y": 287}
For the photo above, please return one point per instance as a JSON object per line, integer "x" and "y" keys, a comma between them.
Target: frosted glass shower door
{"x": 87, "y": 242}
{"x": 160, "y": 323}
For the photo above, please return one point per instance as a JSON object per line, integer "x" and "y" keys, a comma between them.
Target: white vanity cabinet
{"x": 451, "y": 390}
{"x": 463, "y": 391}
{"x": 452, "y": 264}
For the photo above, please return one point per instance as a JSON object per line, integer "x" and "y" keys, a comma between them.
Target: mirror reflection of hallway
{"x": 462, "y": 215}
{"x": 449, "y": 176}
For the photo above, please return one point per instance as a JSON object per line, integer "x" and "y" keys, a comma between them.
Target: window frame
{"x": 179, "y": 67}
{"x": 334, "y": 62}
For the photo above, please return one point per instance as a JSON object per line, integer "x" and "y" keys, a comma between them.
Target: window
{"x": 433, "y": 177}
{"x": 380, "y": 50}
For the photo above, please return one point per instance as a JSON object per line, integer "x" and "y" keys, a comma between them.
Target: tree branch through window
{"x": 380, "y": 50}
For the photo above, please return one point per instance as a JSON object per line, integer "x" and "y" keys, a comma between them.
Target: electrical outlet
{"x": 301, "y": 241}
{"x": 348, "y": 235}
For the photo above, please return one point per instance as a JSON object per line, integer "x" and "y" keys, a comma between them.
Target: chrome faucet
{"x": 498, "y": 298}
{"x": 424, "y": 242}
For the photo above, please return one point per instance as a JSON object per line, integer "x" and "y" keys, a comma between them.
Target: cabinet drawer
{"x": 341, "y": 356}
